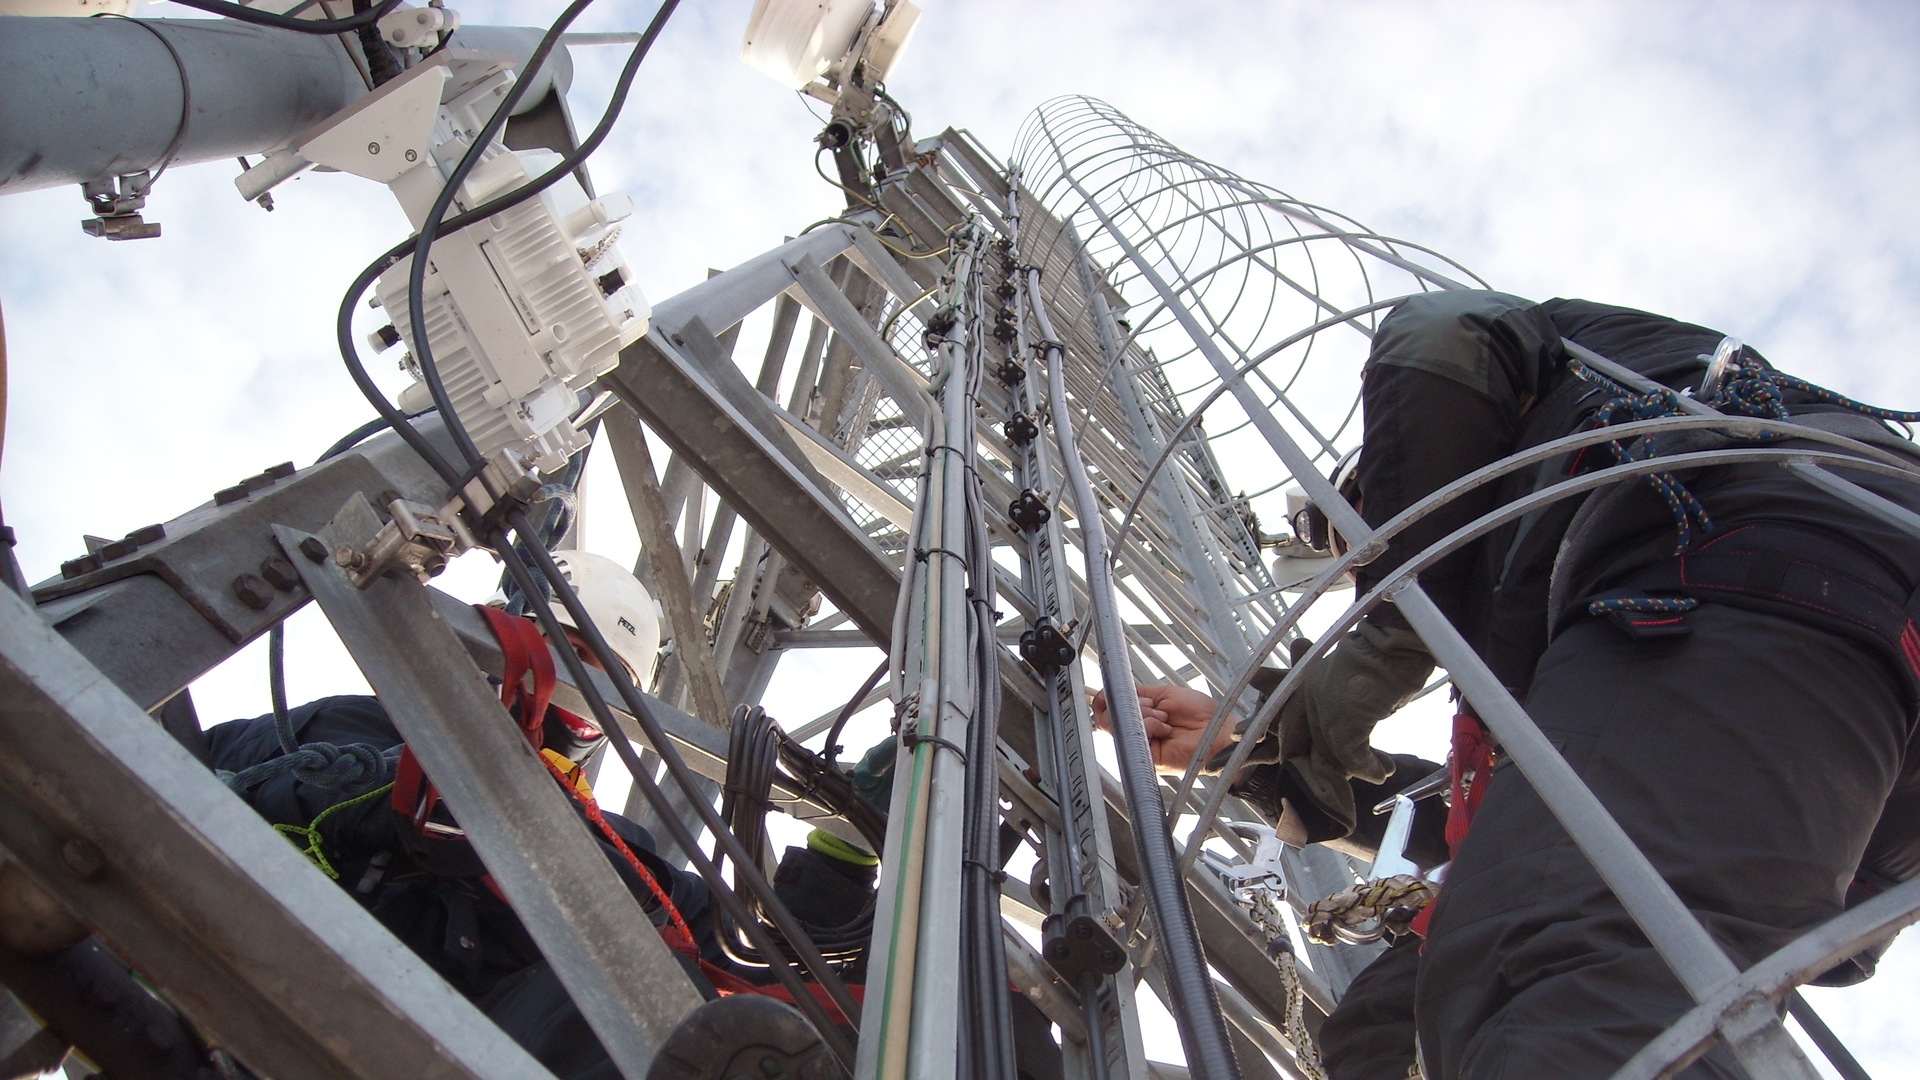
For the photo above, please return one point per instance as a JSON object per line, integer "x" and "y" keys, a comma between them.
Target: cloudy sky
{"x": 1746, "y": 165}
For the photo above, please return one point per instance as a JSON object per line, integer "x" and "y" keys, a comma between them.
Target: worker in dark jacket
{"x": 325, "y": 778}
{"x": 1721, "y": 654}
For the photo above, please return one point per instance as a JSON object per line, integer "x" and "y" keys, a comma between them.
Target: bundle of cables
{"x": 537, "y": 577}
{"x": 756, "y": 749}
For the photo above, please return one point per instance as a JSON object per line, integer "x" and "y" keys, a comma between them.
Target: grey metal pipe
{"x": 95, "y": 98}
{"x": 88, "y": 99}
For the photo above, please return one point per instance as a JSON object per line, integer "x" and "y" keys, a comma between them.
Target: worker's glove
{"x": 1324, "y": 730}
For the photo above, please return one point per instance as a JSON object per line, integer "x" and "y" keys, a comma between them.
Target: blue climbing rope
{"x": 1756, "y": 390}
{"x": 1750, "y": 389}
{"x": 347, "y": 769}
{"x": 1626, "y": 406}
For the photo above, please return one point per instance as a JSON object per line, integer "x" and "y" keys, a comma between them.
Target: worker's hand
{"x": 1176, "y": 717}
{"x": 1324, "y": 728}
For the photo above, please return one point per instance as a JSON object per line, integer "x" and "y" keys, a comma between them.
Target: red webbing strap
{"x": 1470, "y": 768}
{"x": 728, "y": 984}
{"x": 523, "y": 651}
{"x": 413, "y": 797}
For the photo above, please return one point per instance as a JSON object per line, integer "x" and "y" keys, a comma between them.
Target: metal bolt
{"x": 85, "y": 564}
{"x": 413, "y": 155}
{"x": 280, "y": 471}
{"x": 349, "y": 558}
{"x": 148, "y": 534}
{"x": 82, "y": 858}
{"x": 313, "y": 549}
{"x": 1083, "y": 932}
{"x": 280, "y": 574}
{"x": 466, "y": 942}
{"x": 1108, "y": 956}
{"x": 252, "y": 591}
{"x": 230, "y": 495}
{"x": 119, "y": 549}
{"x": 373, "y": 148}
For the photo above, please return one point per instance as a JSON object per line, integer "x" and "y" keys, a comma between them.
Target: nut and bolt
{"x": 253, "y": 483}
{"x": 280, "y": 574}
{"x": 119, "y": 549}
{"x": 252, "y": 591}
{"x": 85, "y": 564}
{"x": 314, "y": 549}
{"x": 148, "y": 534}
{"x": 82, "y": 858}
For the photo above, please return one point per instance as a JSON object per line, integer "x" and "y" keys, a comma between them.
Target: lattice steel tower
{"x": 1046, "y": 417}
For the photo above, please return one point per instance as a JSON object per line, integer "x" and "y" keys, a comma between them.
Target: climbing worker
{"x": 335, "y": 776}
{"x": 1726, "y": 655}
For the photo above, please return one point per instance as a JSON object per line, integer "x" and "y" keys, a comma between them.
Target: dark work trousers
{"x": 1369, "y": 1035}
{"x": 1749, "y": 760}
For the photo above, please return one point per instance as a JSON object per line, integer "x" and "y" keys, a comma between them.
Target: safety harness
{"x": 527, "y": 686}
{"x": 1809, "y": 576}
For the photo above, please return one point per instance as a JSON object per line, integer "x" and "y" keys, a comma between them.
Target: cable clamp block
{"x": 1081, "y": 945}
{"x": 416, "y": 536}
{"x": 1045, "y": 648}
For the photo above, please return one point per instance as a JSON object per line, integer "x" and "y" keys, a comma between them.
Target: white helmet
{"x": 620, "y": 607}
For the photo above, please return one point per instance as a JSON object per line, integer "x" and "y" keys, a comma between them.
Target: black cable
{"x": 382, "y": 66}
{"x": 818, "y": 779}
{"x": 479, "y": 213}
{"x": 554, "y": 523}
{"x": 983, "y": 942}
{"x": 642, "y": 712}
{"x": 277, "y": 688}
{"x": 430, "y": 229}
{"x": 832, "y": 746}
{"x": 360, "y": 434}
{"x": 752, "y": 763}
{"x": 394, "y": 418}
{"x": 287, "y": 22}
{"x": 753, "y": 759}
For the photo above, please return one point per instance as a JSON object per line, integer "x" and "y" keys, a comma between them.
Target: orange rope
{"x": 592, "y": 808}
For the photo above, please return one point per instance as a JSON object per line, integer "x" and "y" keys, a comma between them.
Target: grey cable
{"x": 1196, "y": 1011}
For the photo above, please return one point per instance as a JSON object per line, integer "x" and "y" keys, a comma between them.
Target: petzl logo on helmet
{"x": 628, "y": 627}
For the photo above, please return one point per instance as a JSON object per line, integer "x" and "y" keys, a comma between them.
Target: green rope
{"x": 310, "y": 832}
